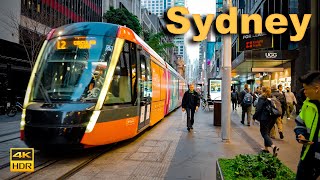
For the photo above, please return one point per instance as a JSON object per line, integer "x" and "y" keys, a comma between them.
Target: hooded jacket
{"x": 307, "y": 124}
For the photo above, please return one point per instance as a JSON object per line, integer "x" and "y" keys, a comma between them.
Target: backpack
{"x": 274, "y": 107}
{"x": 247, "y": 99}
{"x": 234, "y": 96}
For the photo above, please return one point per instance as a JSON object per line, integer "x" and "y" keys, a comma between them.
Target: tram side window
{"x": 120, "y": 87}
{"x": 146, "y": 79}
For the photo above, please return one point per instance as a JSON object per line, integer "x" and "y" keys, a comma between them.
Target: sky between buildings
{"x": 202, "y": 7}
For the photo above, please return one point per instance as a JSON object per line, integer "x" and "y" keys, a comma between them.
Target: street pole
{"x": 226, "y": 84}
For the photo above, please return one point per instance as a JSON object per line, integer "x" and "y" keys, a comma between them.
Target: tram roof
{"x": 87, "y": 28}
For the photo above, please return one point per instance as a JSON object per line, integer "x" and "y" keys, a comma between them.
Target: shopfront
{"x": 265, "y": 67}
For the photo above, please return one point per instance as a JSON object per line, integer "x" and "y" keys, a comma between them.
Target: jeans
{"x": 234, "y": 104}
{"x": 190, "y": 116}
{"x": 265, "y": 127}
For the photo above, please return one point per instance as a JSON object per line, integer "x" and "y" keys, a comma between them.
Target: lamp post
{"x": 226, "y": 83}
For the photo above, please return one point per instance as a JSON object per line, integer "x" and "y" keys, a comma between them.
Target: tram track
{"x": 10, "y": 133}
{"x": 9, "y": 139}
{"x": 37, "y": 169}
{"x": 10, "y": 136}
{"x": 82, "y": 165}
{"x": 49, "y": 164}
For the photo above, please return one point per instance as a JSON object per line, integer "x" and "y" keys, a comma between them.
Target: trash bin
{"x": 217, "y": 113}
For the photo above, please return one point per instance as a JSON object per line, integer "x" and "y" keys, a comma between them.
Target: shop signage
{"x": 271, "y": 55}
{"x": 267, "y": 69}
{"x": 254, "y": 41}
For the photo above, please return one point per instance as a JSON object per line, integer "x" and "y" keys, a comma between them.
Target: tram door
{"x": 145, "y": 91}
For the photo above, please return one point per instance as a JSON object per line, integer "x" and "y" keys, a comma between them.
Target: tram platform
{"x": 169, "y": 151}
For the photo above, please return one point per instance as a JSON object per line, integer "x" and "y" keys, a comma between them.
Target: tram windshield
{"x": 73, "y": 68}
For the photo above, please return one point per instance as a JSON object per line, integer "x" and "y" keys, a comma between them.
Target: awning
{"x": 265, "y": 59}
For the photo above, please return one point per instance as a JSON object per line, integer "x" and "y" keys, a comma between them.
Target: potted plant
{"x": 260, "y": 166}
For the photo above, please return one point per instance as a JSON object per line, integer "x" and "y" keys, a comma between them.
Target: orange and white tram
{"x": 95, "y": 84}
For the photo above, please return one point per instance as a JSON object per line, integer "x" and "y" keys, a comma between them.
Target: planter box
{"x": 261, "y": 166}
{"x": 219, "y": 174}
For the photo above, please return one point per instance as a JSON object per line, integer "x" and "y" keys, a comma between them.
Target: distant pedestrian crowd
{"x": 273, "y": 104}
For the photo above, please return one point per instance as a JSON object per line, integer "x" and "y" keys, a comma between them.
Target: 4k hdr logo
{"x": 21, "y": 159}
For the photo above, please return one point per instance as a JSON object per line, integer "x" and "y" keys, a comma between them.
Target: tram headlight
{"x": 92, "y": 121}
{"x": 23, "y": 119}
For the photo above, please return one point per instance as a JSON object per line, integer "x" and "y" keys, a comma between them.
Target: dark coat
{"x": 190, "y": 100}
{"x": 261, "y": 114}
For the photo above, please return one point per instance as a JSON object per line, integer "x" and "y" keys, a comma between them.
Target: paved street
{"x": 169, "y": 151}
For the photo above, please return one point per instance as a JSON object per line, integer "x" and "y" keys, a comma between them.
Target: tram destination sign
{"x": 254, "y": 41}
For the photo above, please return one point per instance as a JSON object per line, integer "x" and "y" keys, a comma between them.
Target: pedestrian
{"x": 278, "y": 94}
{"x": 283, "y": 100}
{"x": 190, "y": 103}
{"x": 307, "y": 129}
{"x": 266, "y": 121}
{"x": 234, "y": 99}
{"x": 246, "y": 100}
{"x": 291, "y": 102}
{"x": 256, "y": 96}
{"x": 301, "y": 97}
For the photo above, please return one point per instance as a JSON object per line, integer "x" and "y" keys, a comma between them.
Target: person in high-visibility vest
{"x": 307, "y": 129}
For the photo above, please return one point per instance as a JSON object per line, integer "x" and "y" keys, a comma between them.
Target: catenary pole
{"x": 226, "y": 82}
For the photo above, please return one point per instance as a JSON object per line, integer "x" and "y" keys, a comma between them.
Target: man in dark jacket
{"x": 275, "y": 92}
{"x": 246, "y": 107}
{"x": 307, "y": 129}
{"x": 190, "y": 103}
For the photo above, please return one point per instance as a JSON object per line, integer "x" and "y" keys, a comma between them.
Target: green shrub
{"x": 261, "y": 166}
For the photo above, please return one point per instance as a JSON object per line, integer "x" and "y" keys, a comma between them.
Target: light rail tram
{"x": 95, "y": 84}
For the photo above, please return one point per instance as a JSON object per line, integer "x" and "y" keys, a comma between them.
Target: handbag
{"x": 273, "y": 108}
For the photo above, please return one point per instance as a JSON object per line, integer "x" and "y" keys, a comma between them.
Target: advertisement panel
{"x": 215, "y": 89}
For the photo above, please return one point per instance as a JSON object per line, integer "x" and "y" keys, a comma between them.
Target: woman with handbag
{"x": 266, "y": 120}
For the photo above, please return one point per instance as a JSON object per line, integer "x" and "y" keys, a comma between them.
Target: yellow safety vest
{"x": 310, "y": 115}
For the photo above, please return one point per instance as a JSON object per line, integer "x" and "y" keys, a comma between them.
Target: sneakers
{"x": 281, "y": 135}
{"x": 242, "y": 122}
{"x": 188, "y": 129}
{"x": 275, "y": 150}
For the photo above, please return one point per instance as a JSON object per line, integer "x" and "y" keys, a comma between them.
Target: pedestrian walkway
{"x": 290, "y": 149}
{"x": 169, "y": 151}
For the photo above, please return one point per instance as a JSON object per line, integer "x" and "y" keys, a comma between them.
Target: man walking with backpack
{"x": 246, "y": 100}
{"x": 276, "y": 93}
{"x": 234, "y": 99}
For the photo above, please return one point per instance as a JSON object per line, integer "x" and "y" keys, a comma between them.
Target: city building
{"x": 156, "y": 7}
{"x": 23, "y": 28}
{"x": 216, "y": 64}
{"x": 202, "y": 54}
{"x": 276, "y": 60}
{"x": 133, "y": 6}
{"x": 168, "y": 4}
{"x": 180, "y": 48}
